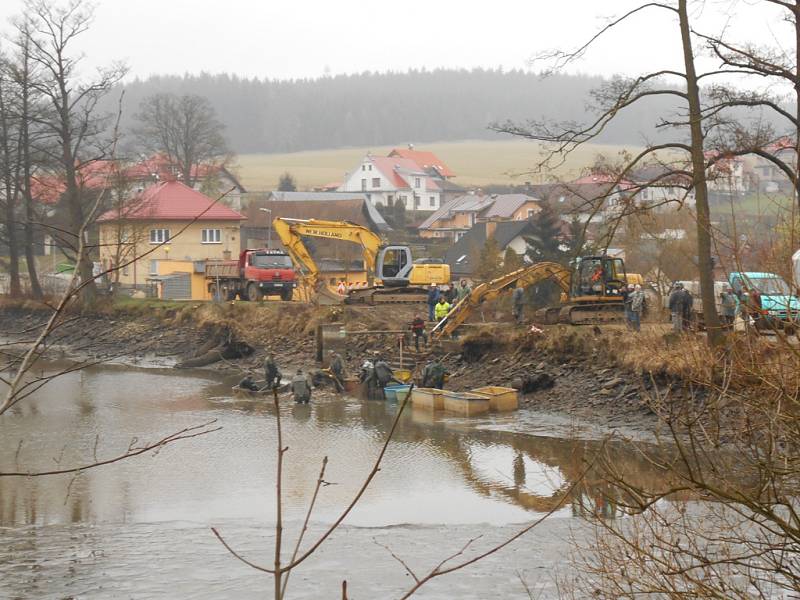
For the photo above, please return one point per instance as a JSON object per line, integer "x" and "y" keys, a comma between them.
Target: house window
{"x": 390, "y": 199}
{"x": 212, "y": 236}
{"x": 363, "y": 167}
{"x": 153, "y": 267}
{"x": 363, "y": 184}
{"x": 370, "y": 167}
{"x": 416, "y": 202}
{"x": 159, "y": 236}
{"x": 431, "y": 201}
{"x": 416, "y": 182}
{"x": 531, "y": 212}
{"x": 125, "y": 271}
{"x": 376, "y": 182}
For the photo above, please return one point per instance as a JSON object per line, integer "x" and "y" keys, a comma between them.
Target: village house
{"x": 372, "y": 217}
{"x": 769, "y": 177}
{"x": 459, "y": 215}
{"x": 726, "y": 176}
{"x": 165, "y": 230}
{"x": 662, "y": 189}
{"x": 417, "y": 180}
{"x": 463, "y": 255}
{"x": 583, "y": 200}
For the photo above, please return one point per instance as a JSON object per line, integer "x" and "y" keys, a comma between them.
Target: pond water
{"x": 444, "y": 473}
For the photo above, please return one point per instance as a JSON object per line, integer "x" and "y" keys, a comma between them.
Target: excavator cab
{"x": 595, "y": 278}
{"x": 394, "y": 264}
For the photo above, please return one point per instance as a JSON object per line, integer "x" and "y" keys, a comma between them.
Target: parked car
{"x": 767, "y": 299}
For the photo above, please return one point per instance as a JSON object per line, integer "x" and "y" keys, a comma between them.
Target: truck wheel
{"x": 253, "y": 293}
{"x": 286, "y": 295}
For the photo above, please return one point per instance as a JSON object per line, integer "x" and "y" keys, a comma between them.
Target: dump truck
{"x": 258, "y": 273}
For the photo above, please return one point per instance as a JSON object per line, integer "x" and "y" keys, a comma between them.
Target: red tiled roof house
{"x": 193, "y": 226}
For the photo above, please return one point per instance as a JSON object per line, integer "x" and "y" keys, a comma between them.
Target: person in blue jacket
{"x": 433, "y": 298}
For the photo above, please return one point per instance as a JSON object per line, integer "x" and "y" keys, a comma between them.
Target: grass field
{"x": 476, "y": 163}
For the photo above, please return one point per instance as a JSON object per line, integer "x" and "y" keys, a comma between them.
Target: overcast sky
{"x": 307, "y": 38}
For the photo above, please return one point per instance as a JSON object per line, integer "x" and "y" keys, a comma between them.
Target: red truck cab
{"x": 266, "y": 272}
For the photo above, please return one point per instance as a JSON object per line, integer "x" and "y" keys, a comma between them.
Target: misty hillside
{"x": 376, "y": 109}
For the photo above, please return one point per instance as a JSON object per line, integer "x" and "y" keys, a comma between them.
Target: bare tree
{"x": 185, "y": 129}
{"x": 77, "y": 130}
{"x": 621, "y": 93}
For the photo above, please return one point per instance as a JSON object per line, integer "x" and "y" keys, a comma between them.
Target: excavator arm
{"x": 492, "y": 289}
{"x": 291, "y": 232}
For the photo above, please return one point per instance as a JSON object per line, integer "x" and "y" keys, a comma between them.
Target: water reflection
{"x": 437, "y": 470}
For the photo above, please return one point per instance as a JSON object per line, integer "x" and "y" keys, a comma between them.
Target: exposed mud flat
{"x": 585, "y": 393}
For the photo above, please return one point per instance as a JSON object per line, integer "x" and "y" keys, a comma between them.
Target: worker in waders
{"x": 369, "y": 378}
{"x": 433, "y": 375}
{"x": 272, "y": 375}
{"x": 337, "y": 370}
{"x": 518, "y": 300}
{"x": 301, "y": 387}
{"x": 384, "y": 373}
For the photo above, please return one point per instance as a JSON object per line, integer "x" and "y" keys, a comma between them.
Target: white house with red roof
{"x": 418, "y": 180}
{"x": 168, "y": 222}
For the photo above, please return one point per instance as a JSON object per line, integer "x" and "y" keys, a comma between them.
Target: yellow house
{"x": 167, "y": 227}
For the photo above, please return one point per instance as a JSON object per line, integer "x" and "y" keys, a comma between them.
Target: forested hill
{"x": 389, "y": 108}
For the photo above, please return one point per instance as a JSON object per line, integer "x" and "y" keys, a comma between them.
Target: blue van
{"x": 769, "y": 298}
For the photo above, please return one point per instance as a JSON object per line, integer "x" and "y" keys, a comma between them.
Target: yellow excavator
{"x": 391, "y": 272}
{"x": 590, "y": 293}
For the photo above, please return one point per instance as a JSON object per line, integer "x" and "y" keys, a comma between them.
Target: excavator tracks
{"x": 591, "y": 314}
{"x": 384, "y": 295}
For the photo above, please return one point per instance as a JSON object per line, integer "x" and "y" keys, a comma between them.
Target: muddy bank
{"x": 554, "y": 379}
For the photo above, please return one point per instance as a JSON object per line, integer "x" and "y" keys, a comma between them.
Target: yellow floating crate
{"x": 501, "y": 399}
{"x": 465, "y": 403}
{"x": 428, "y": 398}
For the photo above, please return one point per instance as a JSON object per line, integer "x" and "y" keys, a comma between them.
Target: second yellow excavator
{"x": 392, "y": 274}
{"x": 590, "y": 292}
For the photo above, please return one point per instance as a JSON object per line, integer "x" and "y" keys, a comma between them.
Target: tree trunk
{"x": 10, "y": 191}
{"x": 700, "y": 186}
{"x": 26, "y": 168}
{"x": 15, "y": 289}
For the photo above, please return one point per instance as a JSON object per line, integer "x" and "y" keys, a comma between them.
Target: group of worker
{"x": 440, "y": 301}
{"x": 301, "y": 383}
{"x": 376, "y": 374}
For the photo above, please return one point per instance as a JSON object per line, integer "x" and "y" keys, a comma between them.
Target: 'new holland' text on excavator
{"x": 391, "y": 271}
{"x": 590, "y": 292}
